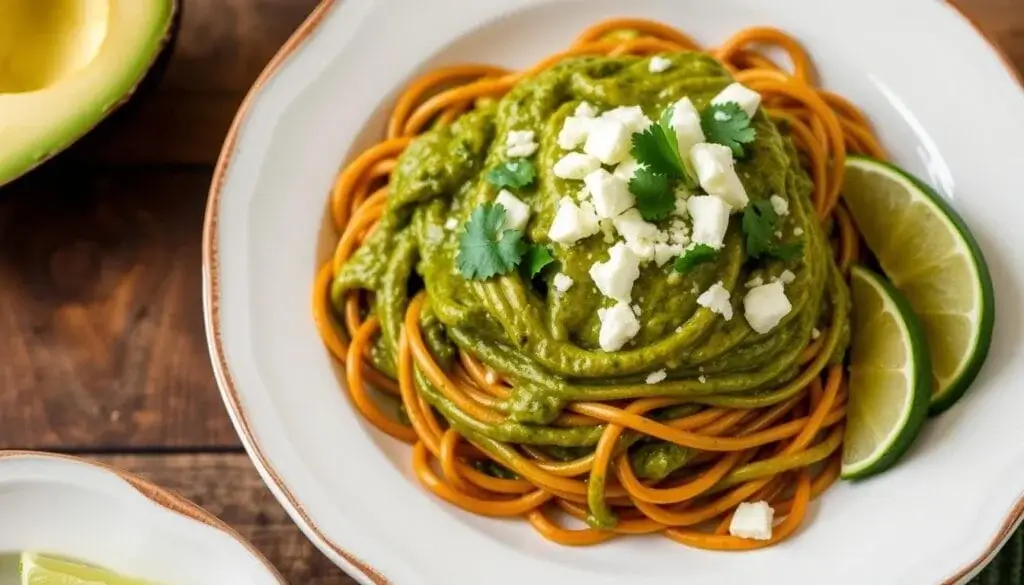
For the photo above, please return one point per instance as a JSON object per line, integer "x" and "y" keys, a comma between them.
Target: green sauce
{"x": 547, "y": 343}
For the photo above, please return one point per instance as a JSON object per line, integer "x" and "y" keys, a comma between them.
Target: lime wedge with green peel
{"x": 39, "y": 569}
{"x": 926, "y": 250}
{"x": 890, "y": 377}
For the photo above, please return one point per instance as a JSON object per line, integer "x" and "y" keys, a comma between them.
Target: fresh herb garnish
{"x": 485, "y": 249}
{"x": 727, "y": 124}
{"x": 695, "y": 255}
{"x": 759, "y": 225}
{"x": 654, "y": 197}
{"x": 515, "y": 173}
{"x": 537, "y": 258}
{"x": 657, "y": 151}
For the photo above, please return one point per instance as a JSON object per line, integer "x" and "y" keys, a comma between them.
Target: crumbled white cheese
{"x": 780, "y": 205}
{"x": 686, "y": 123}
{"x": 519, "y": 137}
{"x": 716, "y": 298}
{"x": 680, "y": 205}
{"x": 637, "y": 310}
{"x": 748, "y": 99}
{"x": 678, "y": 232}
{"x": 562, "y": 282}
{"x": 713, "y": 164}
{"x": 632, "y": 227}
{"x": 520, "y": 143}
{"x": 608, "y": 229}
{"x": 626, "y": 169}
{"x": 632, "y": 116}
{"x": 815, "y": 333}
{"x": 722, "y": 116}
{"x": 576, "y": 165}
{"x": 798, "y": 232}
{"x": 665, "y": 252}
{"x": 517, "y": 213}
{"x": 659, "y": 64}
{"x": 787, "y": 276}
{"x": 574, "y": 132}
{"x": 608, "y": 140}
{"x": 434, "y": 233}
{"x": 752, "y": 520}
{"x": 702, "y": 379}
{"x": 609, "y": 193}
{"x": 655, "y": 377}
{"x": 451, "y": 224}
{"x": 710, "y": 219}
{"x": 618, "y": 325}
{"x": 585, "y": 110}
{"x": 615, "y": 277}
{"x": 765, "y": 306}
{"x": 573, "y": 223}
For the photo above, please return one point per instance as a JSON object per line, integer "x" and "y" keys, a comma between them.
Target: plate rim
{"x": 158, "y": 496}
{"x": 359, "y": 569}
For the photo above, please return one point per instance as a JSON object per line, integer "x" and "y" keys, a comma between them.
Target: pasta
{"x": 533, "y": 428}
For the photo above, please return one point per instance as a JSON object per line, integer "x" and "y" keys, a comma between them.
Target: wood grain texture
{"x": 101, "y": 323}
{"x": 227, "y": 486}
{"x": 101, "y": 327}
{"x": 1002, "y": 21}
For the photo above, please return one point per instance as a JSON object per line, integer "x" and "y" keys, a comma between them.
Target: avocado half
{"x": 65, "y": 65}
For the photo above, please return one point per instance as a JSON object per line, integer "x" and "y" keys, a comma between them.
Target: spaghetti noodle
{"x": 503, "y": 425}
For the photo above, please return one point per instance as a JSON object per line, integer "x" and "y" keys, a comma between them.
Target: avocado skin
{"x": 122, "y": 110}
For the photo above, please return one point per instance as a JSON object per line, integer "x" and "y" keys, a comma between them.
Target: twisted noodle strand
{"x": 770, "y": 450}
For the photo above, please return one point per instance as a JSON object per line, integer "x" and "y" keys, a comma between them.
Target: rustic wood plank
{"x": 1002, "y": 21}
{"x": 228, "y": 486}
{"x": 221, "y": 48}
{"x": 101, "y": 325}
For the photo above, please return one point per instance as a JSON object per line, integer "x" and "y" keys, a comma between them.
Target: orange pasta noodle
{"x": 729, "y": 445}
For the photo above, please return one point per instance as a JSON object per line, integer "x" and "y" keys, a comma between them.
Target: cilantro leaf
{"x": 688, "y": 176}
{"x": 790, "y": 251}
{"x": 537, "y": 258}
{"x": 658, "y": 149}
{"x": 695, "y": 255}
{"x": 654, "y": 196}
{"x": 759, "y": 219}
{"x": 667, "y": 130}
{"x": 484, "y": 248}
{"x": 515, "y": 173}
{"x": 759, "y": 224}
{"x": 727, "y": 124}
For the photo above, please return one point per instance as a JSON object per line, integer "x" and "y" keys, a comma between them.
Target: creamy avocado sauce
{"x": 546, "y": 343}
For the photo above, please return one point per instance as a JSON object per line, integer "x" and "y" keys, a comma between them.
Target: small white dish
{"x": 70, "y": 507}
{"x": 946, "y": 108}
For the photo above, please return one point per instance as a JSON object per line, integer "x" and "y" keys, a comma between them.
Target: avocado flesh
{"x": 65, "y": 65}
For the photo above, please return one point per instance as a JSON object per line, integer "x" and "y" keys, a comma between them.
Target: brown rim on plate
{"x": 996, "y": 48}
{"x": 161, "y": 497}
{"x": 211, "y": 293}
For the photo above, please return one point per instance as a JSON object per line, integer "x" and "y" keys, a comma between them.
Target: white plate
{"x": 946, "y": 107}
{"x": 65, "y": 506}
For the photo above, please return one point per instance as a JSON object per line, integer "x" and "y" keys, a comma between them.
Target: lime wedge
{"x": 926, "y": 250}
{"x": 890, "y": 377}
{"x": 39, "y": 569}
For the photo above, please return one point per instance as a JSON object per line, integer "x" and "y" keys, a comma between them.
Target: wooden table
{"x": 101, "y": 325}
